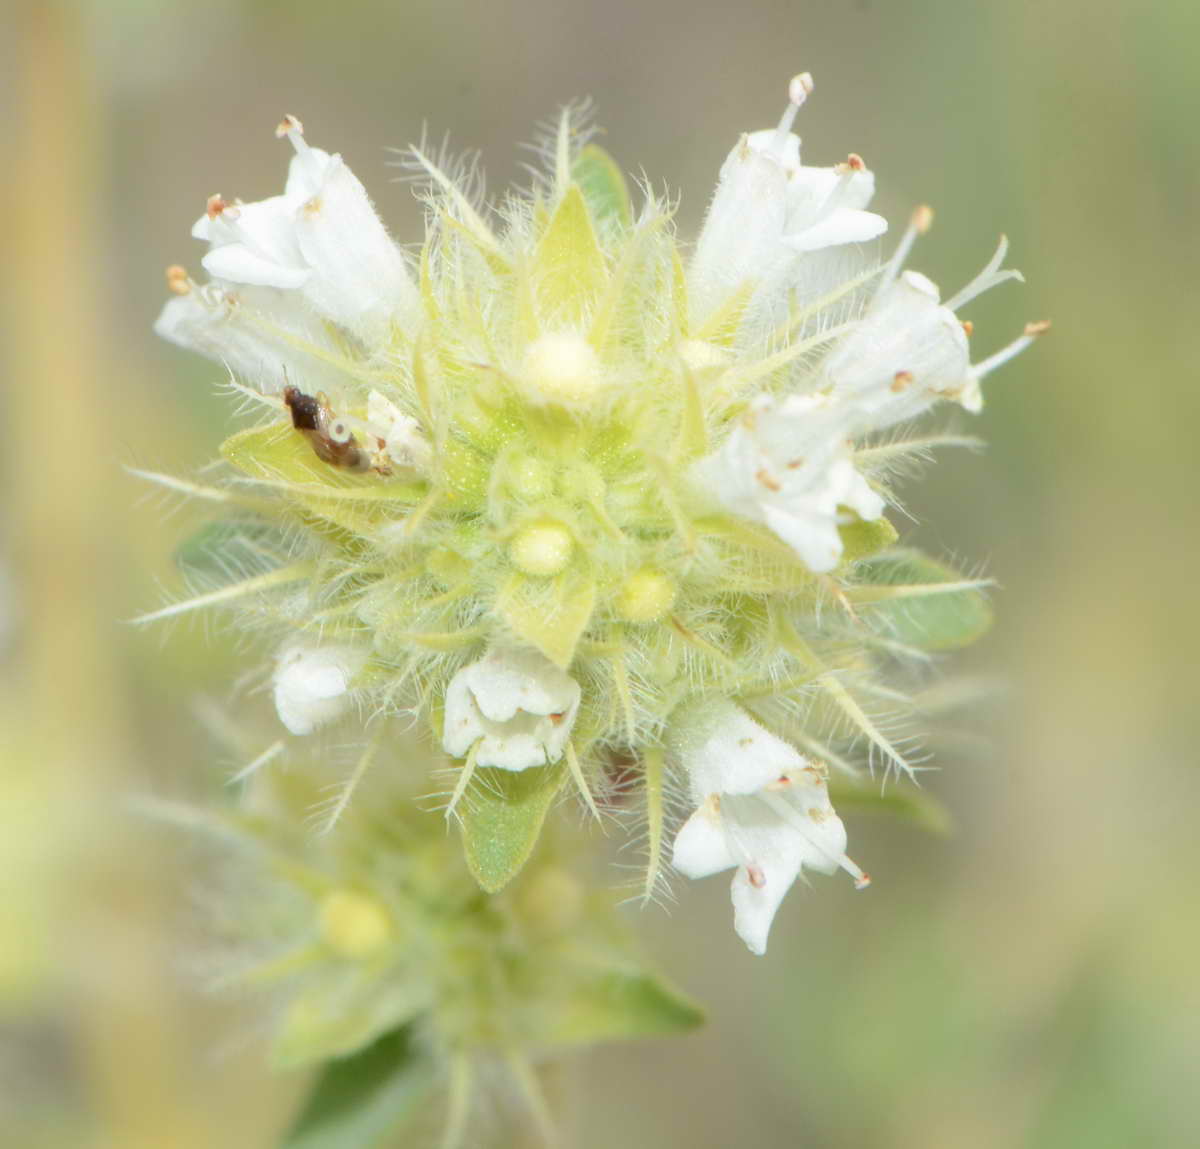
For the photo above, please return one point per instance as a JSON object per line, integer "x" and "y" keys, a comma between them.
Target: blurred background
{"x": 1028, "y": 980}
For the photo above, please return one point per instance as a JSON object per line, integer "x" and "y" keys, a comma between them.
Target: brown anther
{"x": 288, "y": 124}
{"x": 968, "y": 327}
{"x": 863, "y": 882}
{"x": 855, "y": 162}
{"x": 756, "y": 877}
{"x": 764, "y": 476}
{"x": 177, "y": 280}
{"x": 216, "y": 205}
{"x": 1040, "y": 327}
{"x": 794, "y": 464}
{"x": 901, "y": 380}
{"x": 922, "y": 218}
{"x": 557, "y": 718}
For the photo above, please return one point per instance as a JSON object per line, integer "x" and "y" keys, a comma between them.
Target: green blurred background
{"x": 1029, "y": 980}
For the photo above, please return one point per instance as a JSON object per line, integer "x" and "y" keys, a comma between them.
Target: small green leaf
{"x": 898, "y": 800}
{"x": 920, "y": 602}
{"x": 226, "y": 545}
{"x": 570, "y": 268}
{"x": 359, "y": 1101}
{"x": 502, "y": 815}
{"x": 863, "y": 538}
{"x": 621, "y": 1004}
{"x": 549, "y": 614}
{"x": 337, "y": 1016}
{"x": 603, "y": 185}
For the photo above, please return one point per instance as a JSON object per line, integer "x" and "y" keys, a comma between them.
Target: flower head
{"x": 576, "y": 489}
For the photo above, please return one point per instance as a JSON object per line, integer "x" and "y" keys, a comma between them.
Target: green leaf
{"x": 549, "y": 614}
{"x": 502, "y": 815}
{"x": 862, "y": 538}
{"x": 570, "y": 267}
{"x": 225, "y": 545}
{"x": 920, "y": 602}
{"x": 621, "y": 1004}
{"x": 359, "y": 1101}
{"x": 279, "y": 455}
{"x": 603, "y": 185}
{"x": 898, "y": 800}
{"x": 338, "y": 1016}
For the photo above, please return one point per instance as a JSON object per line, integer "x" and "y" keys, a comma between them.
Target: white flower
{"x": 762, "y": 808}
{"x": 910, "y": 349}
{"x": 320, "y": 238}
{"x": 401, "y": 434}
{"x": 516, "y": 704}
{"x": 769, "y": 211}
{"x": 786, "y": 464}
{"x": 312, "y": 684}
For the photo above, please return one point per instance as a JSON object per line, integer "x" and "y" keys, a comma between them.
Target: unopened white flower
{"x": 761, "y": 807}
{"x": 786, "y": 463}
{"x": 515, "y": 704}
{"x": 321, "y": 237}
{"x": 769, "y": 210}
{"x": 910, "y": 349}
{"x": 401, "y": 434}
{"x": 312, "y": 684}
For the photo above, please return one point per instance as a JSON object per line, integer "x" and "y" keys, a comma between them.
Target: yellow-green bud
{"x": 646, "y": 596}
{"x": 354, "y": 925}
{"x": 541, "y": 548}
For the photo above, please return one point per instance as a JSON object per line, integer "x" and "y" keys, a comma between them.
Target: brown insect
{"x": 332, "y": 440}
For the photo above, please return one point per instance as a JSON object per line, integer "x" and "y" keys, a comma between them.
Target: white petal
{"x": 700, "y": 846}
{"x": 758, "y": 888}
{"x": 813, "y": 535}
{"x": 238, "y": 264}
{"x": 239, "y": 330}
{"x": 312, "y": 685}
{"x": 740, "y": 240}
{"x": 839, "y": 228}
{"x": 726, "y": 752}
{"x": 359, "y": 276}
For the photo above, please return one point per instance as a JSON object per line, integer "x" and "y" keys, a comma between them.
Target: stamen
{"x": 799, "y": 89}
{"x": 798, "y": 823}
{"x": 218, "y": 205}
{"x": 293, "y": 129}
{"x": 1032, "y": 331}
{"x": 919, "y": 223}
{"x": 177, "y": 280}
{"x": 989, "y": 277}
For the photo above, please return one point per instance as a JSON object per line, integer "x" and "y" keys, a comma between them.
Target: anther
{"x": 1038, "y": 327}
{"x": 968, "y": 327}
{"x": 902, "y": 380}
{"x": 756, "y": 877}
{"x": 177, "y": 280}
{"x": 799, "y": 89}
{"x": 287, "y": 126}
{"x": 218, "y": 205}
{"x": 922, "y": 219}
